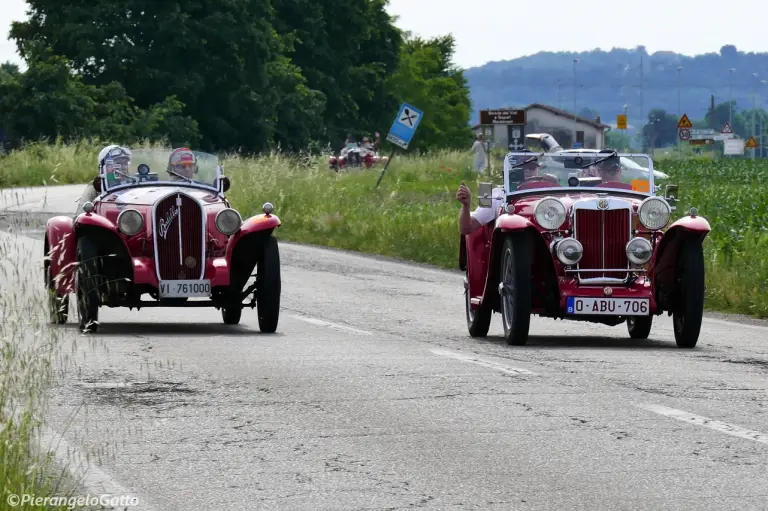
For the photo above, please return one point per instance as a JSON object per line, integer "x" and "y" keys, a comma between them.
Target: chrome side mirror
{"x": 486, "y": 195}
{"x": 671, "y": 194}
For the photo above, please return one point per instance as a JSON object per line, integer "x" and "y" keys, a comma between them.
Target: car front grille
{"x": 179, "y": 234}
{"x": 604, "y": 236}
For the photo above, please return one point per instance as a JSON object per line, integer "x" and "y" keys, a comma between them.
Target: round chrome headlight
{"x": 639, "y": 250}
{"x": 130, "y": 222}
{"x": 654, "y": 213}
{"x": 268, "y": 208}
{"x": 549, "y": 213}
{"x": 569, "y": 251}
{"x": 228, "y": 221}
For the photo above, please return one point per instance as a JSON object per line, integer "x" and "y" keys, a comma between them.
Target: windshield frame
{"x": 566, "y": 190}
{"x": 139, "y": 156}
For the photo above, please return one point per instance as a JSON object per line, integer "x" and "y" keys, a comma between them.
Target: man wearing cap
{"x": 114, "y": 157}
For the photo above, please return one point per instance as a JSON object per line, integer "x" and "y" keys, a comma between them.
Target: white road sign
{"x": 734, "y": 146}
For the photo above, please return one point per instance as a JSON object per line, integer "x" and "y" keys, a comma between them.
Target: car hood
{"x": 148, "y": 195}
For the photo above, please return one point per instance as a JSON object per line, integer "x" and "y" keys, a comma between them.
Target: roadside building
{"x": 562, "y": 125}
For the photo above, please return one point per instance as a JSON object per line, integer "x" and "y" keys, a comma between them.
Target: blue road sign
{"x": 406, "y": 122}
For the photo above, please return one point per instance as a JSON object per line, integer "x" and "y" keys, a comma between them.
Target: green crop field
{"x": 413, "y": 213}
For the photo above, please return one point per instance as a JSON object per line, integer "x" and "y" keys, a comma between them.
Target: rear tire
{"x": 58, "y": 306}
{"x": 686, "y": 320}
{"x": 639, "y": 327}
{"x": 231, "y": 315}
{"x": 478, "y": 320}
{"x": 515, "y": 289}
{"x": 88, "y": 299}
{"x": 268, "y": 285}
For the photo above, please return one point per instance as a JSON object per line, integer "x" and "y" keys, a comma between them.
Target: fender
{"x": 664, "y": 258}
{"x": 60, "y": 245}
{"x": 506, "y": 223}
{"x": 255, "y": 224}
{"x": 476, "y": 251}
{"x": 512, "y": 223}
{"x": 92, "y": 219}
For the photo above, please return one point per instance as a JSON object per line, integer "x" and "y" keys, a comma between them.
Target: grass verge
{"x": 27, "y": 350}
{"x": 412, "y": 215}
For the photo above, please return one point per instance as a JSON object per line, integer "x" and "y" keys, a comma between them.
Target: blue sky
{"x": 502, "y": 29}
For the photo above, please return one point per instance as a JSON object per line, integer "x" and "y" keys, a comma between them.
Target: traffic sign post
{"x": 402, "y": 131}
{"x": 684, "y": 134}
{"x": 621, "y": 121}
{"x": 751, "y": 143}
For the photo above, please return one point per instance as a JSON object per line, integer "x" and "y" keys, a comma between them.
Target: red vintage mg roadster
{"x": 161, "y": 226}
{"x": 580, "y": 237}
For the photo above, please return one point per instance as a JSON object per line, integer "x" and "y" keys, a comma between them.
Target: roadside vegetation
{"x": 27, "y": 348}
{"x": 412, "y": 215}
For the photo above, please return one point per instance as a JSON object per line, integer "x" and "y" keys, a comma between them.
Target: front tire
{"x": 639, "y": 327}
{"x": 478, "y": 320}
{"x": 686, "y": 320}
{"x": 88, "y": 299}
{"x": 58, "y": 306}
{"x": 515, "y": 289}
{"x": 268, "y": 285}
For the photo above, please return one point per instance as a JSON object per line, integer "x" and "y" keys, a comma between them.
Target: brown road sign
{"x": 702, "y": 141}
{"x": 751, "y": 143}
{"x": 502, "y": 116}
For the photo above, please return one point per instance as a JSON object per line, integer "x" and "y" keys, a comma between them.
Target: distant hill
{"x": 608, "y": 80}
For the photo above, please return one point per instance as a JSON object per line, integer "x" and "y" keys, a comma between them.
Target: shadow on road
{"x": 587, "y": 342}
{"x": 178, "y": 329}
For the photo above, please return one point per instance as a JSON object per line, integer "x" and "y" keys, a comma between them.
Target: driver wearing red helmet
{"x": 182, "y": 164}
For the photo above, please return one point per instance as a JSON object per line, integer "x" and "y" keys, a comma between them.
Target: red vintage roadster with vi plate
{"x": 161, "y": 226}
{"x": 575, "y": 239}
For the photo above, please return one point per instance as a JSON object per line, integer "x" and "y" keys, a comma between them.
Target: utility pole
{"x": 679, "y": 68}
{"x": 642, "y": 125}
{"x": 754, "y": 108}
{"x": 559, "y": 97}
{"x": 730, "y": 98}
{"x": 573, "y": 143}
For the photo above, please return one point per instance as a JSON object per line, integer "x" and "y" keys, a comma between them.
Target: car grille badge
{"x": 190, "y": 262}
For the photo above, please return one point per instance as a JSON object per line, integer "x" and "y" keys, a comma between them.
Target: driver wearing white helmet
{"x": 116, "y": 160}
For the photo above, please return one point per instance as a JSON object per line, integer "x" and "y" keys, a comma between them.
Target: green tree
{"x": 660, "y": 130}
{"x": 49, "y": 101}
{"x": 221, "y": 58}
{"x": 427, "y": 79}
{"x": 346, "y": 49}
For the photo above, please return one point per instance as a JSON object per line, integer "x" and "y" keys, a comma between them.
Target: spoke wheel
{"x": 87, "y": 286}
{"x": 515, "y": 289}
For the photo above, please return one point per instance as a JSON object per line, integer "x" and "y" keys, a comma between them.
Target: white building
{"x": 563, "y": 126}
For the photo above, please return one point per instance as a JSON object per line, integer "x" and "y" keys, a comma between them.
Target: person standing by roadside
{"x": 480, "y": 161}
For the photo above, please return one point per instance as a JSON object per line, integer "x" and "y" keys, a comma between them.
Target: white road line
{"x": 335, "y": 326}
{"x": 485, "y": 363}
{"x": 722, "y": 427}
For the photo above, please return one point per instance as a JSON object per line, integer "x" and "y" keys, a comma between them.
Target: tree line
{"x": 233, "y": 75}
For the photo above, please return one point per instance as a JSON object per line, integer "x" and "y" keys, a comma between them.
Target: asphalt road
{"x": 373, "y": 396}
